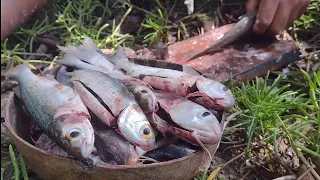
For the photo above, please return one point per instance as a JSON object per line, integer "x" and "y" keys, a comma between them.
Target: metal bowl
{"x": 49, "y": 166}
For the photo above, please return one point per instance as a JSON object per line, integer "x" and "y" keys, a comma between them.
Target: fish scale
{"x": 57, "y": 109}
{"x": 36, "y": 95}
{"x": 110, "y": 90}
{"x": 107, "y": 91}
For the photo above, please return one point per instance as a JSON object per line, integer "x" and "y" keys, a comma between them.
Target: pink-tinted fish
{"x": 207, "y": 92}
{"x": 185, "y": 119}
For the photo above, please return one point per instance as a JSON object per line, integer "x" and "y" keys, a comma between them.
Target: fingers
{"x": 296, "y": 13}
{"x": 276, "y": 15}
{"x": 252, "y": 5}
{"x": 266, "y": 13}
{"x": 280, "y": 19}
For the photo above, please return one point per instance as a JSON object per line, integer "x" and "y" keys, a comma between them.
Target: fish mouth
{"x": 209, "y": 137}
{"x": 87, "y": 147}
{"x": 225, "y": 103}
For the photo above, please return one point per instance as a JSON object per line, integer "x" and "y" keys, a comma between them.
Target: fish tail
{"x": 88, "y": 44}
{"x": 18, "y": 70}
{"x": 69, "y": 60}
{"x": 119, "y": 59}
{"x": 68, "y": 50}
{"x": 72, "y": 60}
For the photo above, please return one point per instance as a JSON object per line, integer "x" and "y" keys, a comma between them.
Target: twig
{"x": 220, "y": 16}
{"x": 233, "y": 116}
{"x": 234, "y": 146}
{"x": 306, "y": 172}
{"x": 289, "y": 177}
{"x": 230, "y": 142}
{"x": 230, "y": 161}
{"x": 145, "y": 158}
{"x": 310, "y": 54}
{"x": 307, "y": 164}
{"x": 284, "y": 165}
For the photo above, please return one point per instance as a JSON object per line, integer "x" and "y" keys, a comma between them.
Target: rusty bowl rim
{"x": 11, "y": 98}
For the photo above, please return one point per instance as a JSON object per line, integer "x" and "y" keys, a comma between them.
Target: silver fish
{"x": 191, "y": 117}
{"x": 113, "y": 148}
{"x": 141, "y": 90}
{"x": 115, "y": 99}
{"x": 57, "y": 109}
{"x": 219, "y": 96}
{"x": 89, "y": 53}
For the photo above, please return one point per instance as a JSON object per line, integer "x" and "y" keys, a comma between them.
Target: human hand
{"x": 274, "y": 16}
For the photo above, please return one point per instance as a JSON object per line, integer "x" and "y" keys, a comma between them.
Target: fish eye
{"x": 205, "y": 114}
{"x": 146, "y": 131}
{"x": 144, "y": 91}
{"x": 73, "y": 134}
{"x": 69, "y": 69}
{"x": 225, "y": 88}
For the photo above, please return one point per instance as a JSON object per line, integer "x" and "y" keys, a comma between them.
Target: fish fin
{"x": 118, "y": 57}
{"x": 74, "y": 61}
{"x": 69, "y": 60}
{"x": 18, "y": 70}
{"x": 69, "y": 49}
{"x": 190, "y": 70}
{"x": 88, "y": 44}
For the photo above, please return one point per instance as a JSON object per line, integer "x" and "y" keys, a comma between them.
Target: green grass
{"x": 159, "y": 25}
{"x": 311, "y": 18}
{"x": 278, "y": 110}
{"x": 18, "y": 164}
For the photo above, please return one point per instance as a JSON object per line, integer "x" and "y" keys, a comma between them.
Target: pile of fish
{"x": 122, "y": 109}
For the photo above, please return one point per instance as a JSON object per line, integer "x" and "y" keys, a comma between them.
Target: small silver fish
{"x": 214, "y": 92}
{"x": 104, "y": 94}
{"x": 141, "y": 90}
{"x": 57, "y": 109}
{"x": 90, "y": 53}
{"x": 113, "y": 148}
{"x": 192, "y": 117}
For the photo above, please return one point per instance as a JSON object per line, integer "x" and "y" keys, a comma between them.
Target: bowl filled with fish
{"x": 98, "y": 116}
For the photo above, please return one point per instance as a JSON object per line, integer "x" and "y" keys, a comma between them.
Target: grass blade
{"x": 14, "y": 163}
{"x": 23, "y": 168}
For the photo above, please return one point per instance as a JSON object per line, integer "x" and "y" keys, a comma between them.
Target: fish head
{"x": 74, "y": 133}
{"x": 217, "y": 91}
{"x": 195, "y": 118}
{"x": 145, "y": 97}
{"x": 135, "y": 127}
